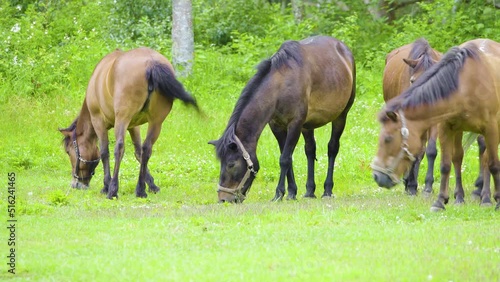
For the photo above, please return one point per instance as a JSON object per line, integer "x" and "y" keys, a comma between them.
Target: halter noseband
{"x": 80, "y": 159}
{"x": 404, "y": 152}
{"x": 237, "y": 191}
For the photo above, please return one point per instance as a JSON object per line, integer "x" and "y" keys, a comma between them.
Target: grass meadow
{"x": 365, "y": 233}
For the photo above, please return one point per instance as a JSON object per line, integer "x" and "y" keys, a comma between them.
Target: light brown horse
{"x": 403, "y": 66}
{"x": 305, "y": 85}
{"x": 126, "y": 90}
{"x": 461, "y": 93}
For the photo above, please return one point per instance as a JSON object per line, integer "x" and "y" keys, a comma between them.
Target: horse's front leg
{"x": 431, "y": 154}
{"x": 446, "y": 142}
{"x": 287, "y": 140}
{"x": 102, "y": 134}
{"x": 458, "y": 155}
{"x": 119, "y": 151}
{"x": 147, "y": 147}
{"x": 135, "y": 134}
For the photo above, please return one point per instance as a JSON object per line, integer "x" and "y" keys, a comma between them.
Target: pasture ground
{"x": 365, "y": 233}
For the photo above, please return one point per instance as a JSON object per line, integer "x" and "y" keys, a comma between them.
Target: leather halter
{"x": 80, "y": 159}
{"x": 237, "y": 192}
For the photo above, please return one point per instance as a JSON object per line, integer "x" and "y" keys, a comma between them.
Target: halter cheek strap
{"x": 404, "y": 152}
{"x": 80, "y": 159}
{"x": 237, "y": 192}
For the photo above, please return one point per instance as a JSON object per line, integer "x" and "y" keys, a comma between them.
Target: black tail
{"x": 161, "y": 78}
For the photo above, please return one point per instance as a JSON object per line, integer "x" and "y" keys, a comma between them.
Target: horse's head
{"x": 84, "y": 158}
{"x": 237, "y": 170}
{"x": 418, "y": 66}
{"x": 394, "y": 157}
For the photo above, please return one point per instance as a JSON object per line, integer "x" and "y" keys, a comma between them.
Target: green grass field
{"x": 365, "y": 233}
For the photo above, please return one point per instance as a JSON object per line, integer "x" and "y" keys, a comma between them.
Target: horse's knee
{"x": 445, "y": 168}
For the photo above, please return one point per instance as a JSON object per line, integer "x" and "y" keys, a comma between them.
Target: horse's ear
{"x": 392, "y": 116}
{"x": 411, "y": 63}
{"x": 65, "y": 131}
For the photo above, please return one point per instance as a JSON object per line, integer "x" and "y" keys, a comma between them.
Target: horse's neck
{"x": 84, "y": 125}
{"x": 254, "y": 117}
{"x": 427, "y": 116}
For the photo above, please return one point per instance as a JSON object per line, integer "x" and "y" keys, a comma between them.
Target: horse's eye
{"x": 388, "y": 139}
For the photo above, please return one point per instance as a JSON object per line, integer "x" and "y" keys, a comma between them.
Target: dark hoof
{"x": 142, "y": 194}
{"x": 498, "y": 206}
{"x": 459, "y": 202}
{"x": 291, "y": 197}
{"x": 278, "y": 197}
{"x": 476, "y": 194}
{"x": 104, "y": 191}
{"x": 112, "y": 196}
{"x": 486, "y": 202}
{"x": 310, "y": 195}
{"x": 427, "y": 190}
{"x": 437, "y": 206}
{"x": 326, "y": 196}
{"x": 411, "y": 191}
{"x": 154, "y": 189}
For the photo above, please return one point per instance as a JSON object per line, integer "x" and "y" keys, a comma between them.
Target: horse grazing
{"x": 126, "y": 90}
{"x": 303, "y": 86}
{"x": 403, "y": 66}
{"x": 461, "y": 93}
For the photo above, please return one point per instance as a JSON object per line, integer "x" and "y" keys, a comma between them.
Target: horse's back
{"x": 328, "y": 76}
{"x": 396, "y": 76}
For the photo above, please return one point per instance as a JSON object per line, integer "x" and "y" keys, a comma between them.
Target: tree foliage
{"x": 52, "y": 46}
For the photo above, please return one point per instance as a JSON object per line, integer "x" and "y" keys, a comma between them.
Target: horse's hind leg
{"x": 338, "y": 126}
{"x": 153, "y": 133}
{"x": 479, "y": 181}
{"x": 135, "y": 134}
{"x": 310, "y": 150}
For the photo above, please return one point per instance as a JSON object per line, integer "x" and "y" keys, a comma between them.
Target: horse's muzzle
{"x": 78, "y": 185}
{"x": 383, "y": 180}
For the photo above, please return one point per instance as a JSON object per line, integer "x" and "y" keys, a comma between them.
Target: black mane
{"x": 421, "y": 49}
{"x": 288, "y": 54}
{"x": 437, "y": 83}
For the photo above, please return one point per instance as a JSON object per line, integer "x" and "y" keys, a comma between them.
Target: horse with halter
{"x": 461, "y": 93}
{"x": 403, "y": 66}
{"x": 126, "y": 90}
{"x": 303, "y": 86}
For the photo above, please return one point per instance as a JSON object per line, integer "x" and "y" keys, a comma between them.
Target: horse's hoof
{"x": 476, "y": 195}
{"x": 155, "y": 189}
{"x": 411, "y": 192}
{"x": 310, "y": 195}
{"x": 438, "y": 206}
{"x": 326, "y": 196}
{"x": 427, "y": 190}
{"x": 459, "y": 202}
{"x": 104, "y": 191}
{"x": 277, "y": 197}
{"x": 141, "y": 194}
{"x": 498, "y": 206}
{"x": 291, "y": 197}
{"x": 486, "y": 202}
{"x": 112, "y": 197}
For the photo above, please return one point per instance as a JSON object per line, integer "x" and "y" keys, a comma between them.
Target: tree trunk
{"x": 298, "y": 10}
{"x": 182, "y": 37}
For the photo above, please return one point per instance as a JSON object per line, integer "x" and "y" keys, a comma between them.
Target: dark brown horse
{"x": 403, "y": 66}
{"x": 305, "y": 85}
{"x": 126, "y": 90}
{"x": 461, "y": 93}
